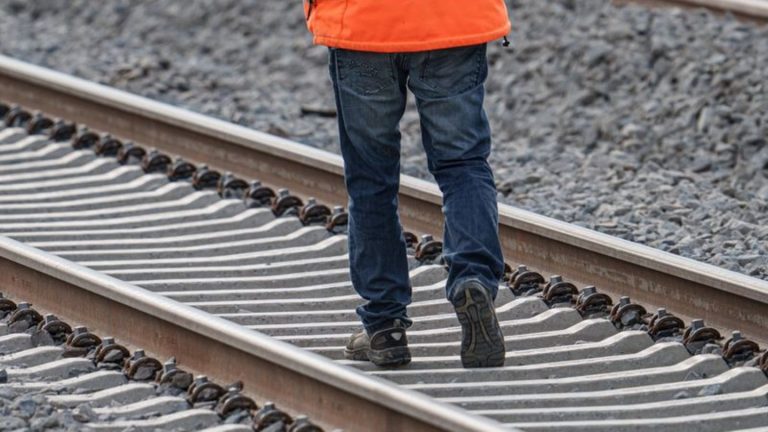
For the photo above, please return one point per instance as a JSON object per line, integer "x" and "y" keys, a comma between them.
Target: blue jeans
{"x": 370, "y": 90}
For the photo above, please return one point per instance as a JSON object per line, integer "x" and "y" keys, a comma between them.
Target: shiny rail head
{"x": 756, "y": 10}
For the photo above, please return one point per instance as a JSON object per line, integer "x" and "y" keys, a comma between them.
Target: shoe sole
{"x": 482, "y": 342}
{"x": 390, "y": 357}
{"x": 357, "y": 355}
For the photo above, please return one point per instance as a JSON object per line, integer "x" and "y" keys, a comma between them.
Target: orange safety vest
{"x": 405, "y": 25}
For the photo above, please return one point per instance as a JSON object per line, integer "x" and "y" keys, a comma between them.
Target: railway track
{"x": 58, "y": 376}
{"x": 83, "y": 230}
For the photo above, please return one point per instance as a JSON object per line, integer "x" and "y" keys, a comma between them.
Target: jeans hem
{"x": 387, "y": 324}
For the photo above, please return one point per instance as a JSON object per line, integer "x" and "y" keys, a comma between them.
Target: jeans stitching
{"x": 426, "y": 65}
{"x": 361, "y": 64}
{"x": 479, "y": 54}
{"x": 338, "y": 79}
{"x": 480, "y": 57}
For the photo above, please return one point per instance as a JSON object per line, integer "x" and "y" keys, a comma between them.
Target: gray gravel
{"x": 34, "y": 413}
{"x": 648, "y": 125}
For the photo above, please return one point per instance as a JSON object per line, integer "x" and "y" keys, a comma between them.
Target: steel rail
{"x": 750, "y": 8}
{"x": 655, "y": 278}
{"x": 754, "y": 10}
{"x": 336, "y": 396}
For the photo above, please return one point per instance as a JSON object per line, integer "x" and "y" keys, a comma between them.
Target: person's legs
{"x": 449, "y": 89}
{"x": 370, "y": 98}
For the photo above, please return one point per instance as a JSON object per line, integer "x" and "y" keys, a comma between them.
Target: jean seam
{"x": 393, "y": 74}
{"x": 341, "y": 77}
{"x": 338, "y": 83}
{"x": 426, "y": 66}
{"x": 475, "y": 79}
{"x": 480, "y": 57}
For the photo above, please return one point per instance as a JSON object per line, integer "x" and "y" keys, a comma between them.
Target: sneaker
{"x": 386, "y": 348}
{"x": 482, "y": 342}
{"x": 389, "y": 346}
{"x": 358, "y": 346}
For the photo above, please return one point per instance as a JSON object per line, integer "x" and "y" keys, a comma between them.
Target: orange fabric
{"x": 405, "y": 25}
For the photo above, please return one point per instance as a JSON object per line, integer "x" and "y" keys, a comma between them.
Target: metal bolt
{"x": 79, "y": 330}
{"x": 555, "y": 279}
{"x": 589, "y": 290}
{"x": 427, "y": 238}
{"x": 49, "y": 318}
{"x": 521, "y": 268}
{"x": 283, "y": 192}
{"x": 624, "y": 300}
{"x": 311, "y": 201}
{"x": 338, "y": 210}
{"x": 23, "y": 306}
{"x": 169, "y": 367}
{"x": 661, "y": 312}
{"x": 697, "y": 324}
{"x": 255, "y": 184}
{"x": 236, "y": 386}
{"x": 108, "y": 340}
{"x": 736, "y": 335}
{"x": 138, "y": 354}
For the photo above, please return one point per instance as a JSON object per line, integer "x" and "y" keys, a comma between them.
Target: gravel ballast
{"x": 650, "y": 125}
